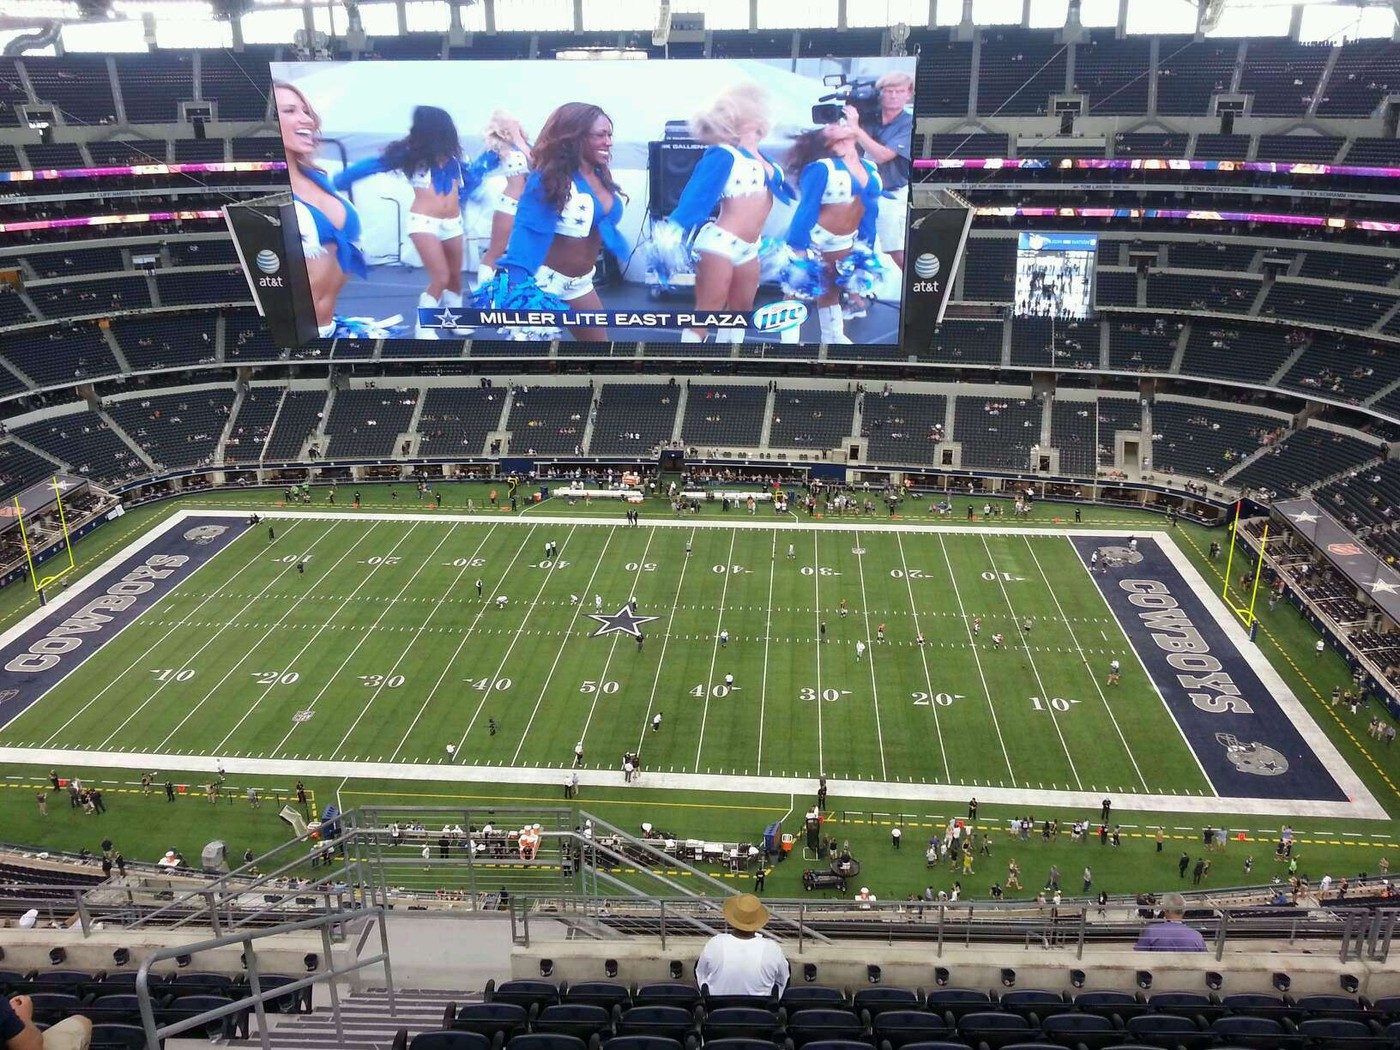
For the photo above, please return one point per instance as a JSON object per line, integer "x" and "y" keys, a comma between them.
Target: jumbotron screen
{"x": 738, "y": 201}
{"x": 1055, "y": 275}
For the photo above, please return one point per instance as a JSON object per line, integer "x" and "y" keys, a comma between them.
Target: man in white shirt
{"x": 742, "y": 961}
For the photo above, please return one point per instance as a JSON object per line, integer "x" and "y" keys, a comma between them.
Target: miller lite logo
{"x": 779, "y": 316}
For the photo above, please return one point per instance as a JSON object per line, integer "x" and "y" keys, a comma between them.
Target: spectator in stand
{"x": 1171, "y": 935}
{"x": 741, "y": 961}
{"x": 18, "y": 1030}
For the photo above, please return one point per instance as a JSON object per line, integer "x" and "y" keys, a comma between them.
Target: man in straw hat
{"x": 741, "y": 961}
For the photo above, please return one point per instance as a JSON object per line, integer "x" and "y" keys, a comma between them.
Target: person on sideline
{"x": 1171, "y": 935}
{"x": 741, "y": 961}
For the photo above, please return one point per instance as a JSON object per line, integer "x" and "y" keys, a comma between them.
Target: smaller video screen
{"x": 1055, "y": 275}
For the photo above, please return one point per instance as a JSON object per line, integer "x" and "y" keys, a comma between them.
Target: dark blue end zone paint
{"x": 1204, "y": 711}
{"x": 61, "y": 641}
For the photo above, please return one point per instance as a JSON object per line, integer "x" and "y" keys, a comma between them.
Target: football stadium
{"x": 516, "y": 539}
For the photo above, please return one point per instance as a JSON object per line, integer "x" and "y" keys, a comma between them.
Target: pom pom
{"x": 773, "y": 257}
{"x": 501, "y": 293}
{"x": 369, "y": 327}
{"x": 804, "y": 277}
{"x": 860, "y": 272}
{"x": 669, "y": 252}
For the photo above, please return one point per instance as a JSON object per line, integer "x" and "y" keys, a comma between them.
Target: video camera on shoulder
{"x": 859, "y": 92}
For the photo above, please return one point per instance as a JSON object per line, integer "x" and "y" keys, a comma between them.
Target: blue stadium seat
{"x": 1074, "y": 1030}
{"x": 446, "y": 1041}
{"x": 488, "y": 1019}
{"x": 994, "y": 1029}
{"x": 807, "y": 996}
{"x": 1329, "y": 1033}
{"x": 1110, "y": 1004}
{"x": 113, "y": 1009}
{"x": 599, "y": 993}
{"x": 223, "y": 1028}
{"x": 953, "y": 1003}
{"x": 52, "y": 1007}
{"x": 1257, "y": 1004}
{"x": 895, "y": 1029}
{"x": 852, "y": 1044}
{"x": 721, "y": 1002}
{"x": 200, "y": 983}
{"x": 1332, "y": 1006}
{"x": 1185, "y": 1004}
{"x": 740, "y": 1043}
{"x": 1258, "y": 1033}
{"x": 814, "y": 1026}
{"x": 522, "y": 993}
{"x": 642, "y": 1042}
{"x": 1388, "y": 1007}
{"x": 742, "y": 1022}
{"x": 62, "y": 981}
{"x": 584, "y": 1020}
{"x": 297, "y": 1002}
{"x": 1168, "y": 1031}
{"x": 546, "y": 1041}
{"x": 670, "y": 1022}
{"x": 871, "y": 1002}
{"x": 117, "y": 1037}
{"x": 684, "y": 995}
{"x": 1035, "y": 1003}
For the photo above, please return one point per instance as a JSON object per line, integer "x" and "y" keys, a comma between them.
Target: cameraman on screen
{"x": 886, "y": 136}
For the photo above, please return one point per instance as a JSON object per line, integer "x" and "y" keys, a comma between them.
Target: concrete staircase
{"x": 366, "y": 1021}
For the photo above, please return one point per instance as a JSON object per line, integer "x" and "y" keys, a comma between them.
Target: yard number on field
{"x": 374, "y": 681}
{"x": 173, "y": 674}
{"x": 1055, "y": 703}
{"x": 715, "y": 690}
{"x": 807, "y": 570}
{"x": 591, "y": 686}
{"x": 829, "y": 695}
{"x": 485, "y": 685}
{"x": 276, "y": 677}
{"x": 922, "y": 699}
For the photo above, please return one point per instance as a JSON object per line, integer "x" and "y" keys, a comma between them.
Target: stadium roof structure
{"x": 137, "y": 25}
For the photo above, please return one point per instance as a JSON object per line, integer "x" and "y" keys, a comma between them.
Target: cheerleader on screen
{"x": 329, "y": 224}
{"x": 735, "y": 175}
{"x": 507, "y": 153}
{"x": 571, "y": 206}
{"x": 840, "y": 204}
{"x": 430, "y": 158}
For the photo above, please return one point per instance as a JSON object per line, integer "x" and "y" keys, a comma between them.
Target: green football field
{"x": 381, "y": 651}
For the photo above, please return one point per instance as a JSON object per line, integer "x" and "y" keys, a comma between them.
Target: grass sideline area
{"x": 1134, "y": 866}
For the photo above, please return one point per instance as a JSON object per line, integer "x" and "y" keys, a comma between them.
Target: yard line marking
{"x": 544, "y": 689}
{"x": 767, "y": 640}
{"x": 175, "y": 626}
{"x": 286, "y": 664}
{"x": 1074, "y": 553}
{"x": 817, "y": 601}
{"x": 714, "y": 649}
{"x": 923, "y": 655}
{"x": 1035, "y": 670}
{"x": 612, "y": 649}
{"x": 665, "y": 641}
{"x": 874, "y": 690}
{"x": 1093, "y": 677}
{"x": 977, "y": 657}
{"x": 451, "y": 665}
{"x": 367, "y": 635}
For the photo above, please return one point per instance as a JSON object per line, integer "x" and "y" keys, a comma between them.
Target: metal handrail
{"x": 155, "y": 1033}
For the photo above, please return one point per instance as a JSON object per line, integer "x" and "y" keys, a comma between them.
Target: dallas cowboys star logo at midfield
{"x": 624, "y": 621}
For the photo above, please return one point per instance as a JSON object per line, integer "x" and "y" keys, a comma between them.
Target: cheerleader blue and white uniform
{"x": 441, "y": 179}
{"x": 724, "y": 173}
{"x": 537, "y": 223}
{"x": 513, "y": 163}
{"x": 829, "y": 181}
{"x": 317, "y": 231}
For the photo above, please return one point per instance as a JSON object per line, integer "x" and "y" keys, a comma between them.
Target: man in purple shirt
{"x": 1171, "y": 935}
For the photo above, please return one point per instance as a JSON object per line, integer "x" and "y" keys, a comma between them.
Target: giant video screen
{"x": 1055, "y": 275}
{"x": 654, "y": 201}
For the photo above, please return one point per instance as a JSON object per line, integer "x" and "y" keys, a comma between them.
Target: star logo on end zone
{"x": 624, "y": 621}
{"x": 202, "y": 534}
{"x": 8, "y": 694}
